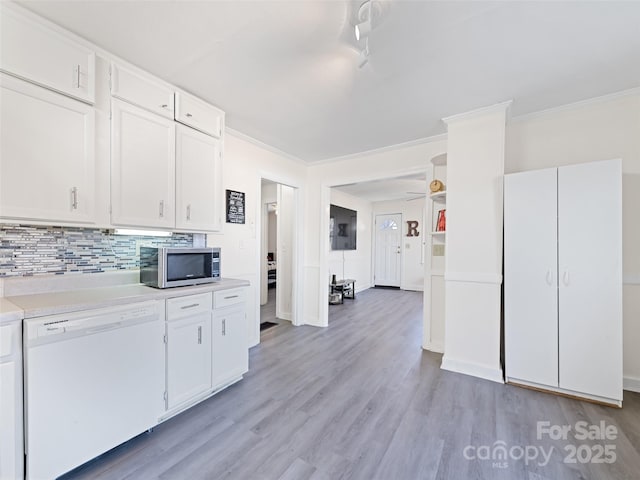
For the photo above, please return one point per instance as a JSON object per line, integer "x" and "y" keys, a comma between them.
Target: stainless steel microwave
{"x": 164, "y": 267}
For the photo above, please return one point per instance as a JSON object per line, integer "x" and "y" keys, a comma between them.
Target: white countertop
{"x": 52, "y": 303}
{"x": 9, "y": 312}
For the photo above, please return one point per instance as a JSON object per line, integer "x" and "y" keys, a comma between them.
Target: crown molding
{"x": 478, "y": 112}
{"x": 581, "y": 103}
{"x": 388, "y": 148}
{"x": 265, "y": 146}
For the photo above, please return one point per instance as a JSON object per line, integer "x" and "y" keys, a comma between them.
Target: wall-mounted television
{"x": 343, "y": 224}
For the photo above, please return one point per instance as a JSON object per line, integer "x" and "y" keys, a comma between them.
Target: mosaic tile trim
{"x": 33, "y": 250}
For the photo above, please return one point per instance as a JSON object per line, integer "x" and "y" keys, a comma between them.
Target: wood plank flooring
{"x": 362, "y": 400}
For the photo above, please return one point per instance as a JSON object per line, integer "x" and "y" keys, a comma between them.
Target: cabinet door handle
{"x": 230, "y": 297}
{"x": 548, "y": 278}
{"x": 161, "y": 208}
{"x": 74, "y": 198}
{"x": 200, "y": 335}
{"x": 77, "y": 72}
{"x": 189, "y": 115}
{"x": 224, "y": 326}
{"x": 189, "y": 212}
{"x": 164, "y": 105}
{"x": 193, "y": 305}
{"x": 565, "y": 278}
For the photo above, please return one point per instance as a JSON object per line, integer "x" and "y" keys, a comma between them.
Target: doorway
{"x": 277, "y": 253}
{"x": 388, "y": 250}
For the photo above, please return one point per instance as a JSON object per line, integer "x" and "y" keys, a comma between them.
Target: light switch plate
{"x": 437, "y": 250}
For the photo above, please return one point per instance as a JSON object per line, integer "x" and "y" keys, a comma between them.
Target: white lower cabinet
{"x": 230, "y": 352}
{"x": 11, "y": 444}
{"x": 188, "y": 348}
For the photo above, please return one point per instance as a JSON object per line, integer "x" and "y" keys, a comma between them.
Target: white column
{"x": 473, "y": 268}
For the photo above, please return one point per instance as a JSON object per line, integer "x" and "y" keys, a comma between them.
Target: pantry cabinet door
{"x": 47, "y": 155}
{"x": 142, "y": 167}
{"x": 590, "y": 278}
{"x": 530, "y": 277}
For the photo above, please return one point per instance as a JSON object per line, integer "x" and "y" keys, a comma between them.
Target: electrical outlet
{"x": 437, "y": 250}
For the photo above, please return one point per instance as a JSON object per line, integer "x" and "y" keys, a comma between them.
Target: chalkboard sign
{"x": 235, "y": 207}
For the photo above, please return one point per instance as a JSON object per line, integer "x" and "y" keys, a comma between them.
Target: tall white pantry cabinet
{"x": 563, "y": 280}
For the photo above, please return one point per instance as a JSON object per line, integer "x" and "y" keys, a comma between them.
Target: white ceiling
{"x": 285, "y": 71}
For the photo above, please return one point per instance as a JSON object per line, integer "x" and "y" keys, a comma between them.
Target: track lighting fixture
{"x": 363, "y": 28}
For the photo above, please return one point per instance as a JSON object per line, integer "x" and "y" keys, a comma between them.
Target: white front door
{"x": 388, "y": 250}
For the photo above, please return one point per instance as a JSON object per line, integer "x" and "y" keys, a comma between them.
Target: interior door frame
{"x": 297, "y": 245}
{"x": 323, "y": 213}
{"x": 375, "y": 245}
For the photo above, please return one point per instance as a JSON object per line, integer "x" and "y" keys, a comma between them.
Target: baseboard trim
{"x": 631, "y": 384}
{"x": 584, "y": 397}
{"x": 435, "y": 347}
{"x": 473, "y": 277}
{"x": 412, "y": 288}
{"x": 472, "y": 369}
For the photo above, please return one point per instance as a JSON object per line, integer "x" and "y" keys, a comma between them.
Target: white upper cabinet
{"x": 47, "y": 155}
{"x": 142, "y": 167}
{"x": 198, "y": 181}
{"x": 42, "y": 55}
{"x": 142, "y": 91}
{"x": 199, "y": 115}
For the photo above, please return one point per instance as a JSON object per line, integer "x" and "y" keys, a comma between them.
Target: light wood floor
{"x": 362, "y": 400}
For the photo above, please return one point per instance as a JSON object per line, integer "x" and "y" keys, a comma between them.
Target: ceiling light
{"x": 363, "y": 28}
{"x": 141, "y": 233}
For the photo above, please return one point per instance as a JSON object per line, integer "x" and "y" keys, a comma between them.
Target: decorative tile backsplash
{"x": 33, "y": 250}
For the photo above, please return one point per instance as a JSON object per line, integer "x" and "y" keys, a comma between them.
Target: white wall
{"x": 388, "y": 163}
{"x": 473, "y": 262}
{"x": 245, "y": 163}
{"x": 272, "y": 234}
{"x": 269, "y": 195}
{"x": 357, "y": 263}
{"x": 412, "y": 254}
{"x": 602, "y": 129}
{"x": 285, "y": 251}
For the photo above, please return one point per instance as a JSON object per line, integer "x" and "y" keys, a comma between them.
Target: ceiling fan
{"x": 418, "y": 197}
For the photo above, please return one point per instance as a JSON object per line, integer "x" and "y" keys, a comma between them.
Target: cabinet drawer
{"x": 198, "y": 114}
{"x": 142, "y": 91}
{"x": 225, "y": 298}
{"x": 36, "y": 52}
{"x": 188, "y": 305}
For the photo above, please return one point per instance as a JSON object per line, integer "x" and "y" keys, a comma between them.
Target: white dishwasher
{"x": 93, "y": 380}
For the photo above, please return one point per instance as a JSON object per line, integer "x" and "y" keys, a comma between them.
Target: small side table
{"x": 346, "y": 288}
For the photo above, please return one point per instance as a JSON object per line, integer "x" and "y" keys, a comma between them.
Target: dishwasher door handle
{"x": 103, "y": 328}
